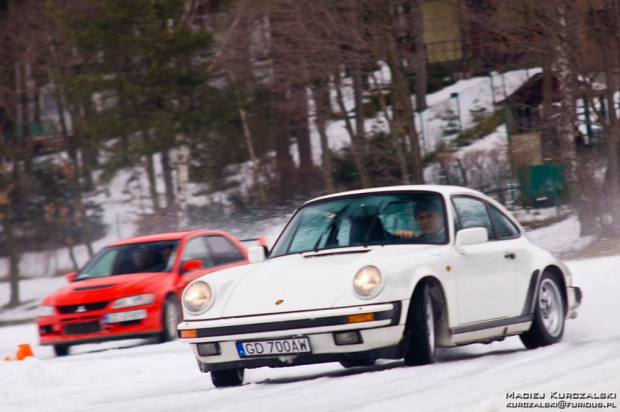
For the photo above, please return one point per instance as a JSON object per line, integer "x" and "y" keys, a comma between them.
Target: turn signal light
{"x": 189, "y": 333}
{"x": 364, "y": 317}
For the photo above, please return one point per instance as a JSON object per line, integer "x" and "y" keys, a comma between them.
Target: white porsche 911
{"x": 388, "y": 273}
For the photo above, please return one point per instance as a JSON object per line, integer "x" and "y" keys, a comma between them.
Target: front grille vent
{"x": 82, "y": 328}
{"x": 85, "y": 307}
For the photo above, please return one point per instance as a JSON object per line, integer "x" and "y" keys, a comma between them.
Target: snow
{"x": 136, "y": 376}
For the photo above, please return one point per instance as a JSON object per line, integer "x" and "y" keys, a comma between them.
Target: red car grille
{"x": 85, "y": 307}
{"x": 82, "y": 328}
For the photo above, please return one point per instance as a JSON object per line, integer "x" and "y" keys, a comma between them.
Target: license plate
{"x": 274, "y": 347}
{"x": 124, "y": 316}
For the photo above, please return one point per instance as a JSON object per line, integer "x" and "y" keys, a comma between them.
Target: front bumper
{"x": 381, "y": 337}
{"x": 89, "y": 327}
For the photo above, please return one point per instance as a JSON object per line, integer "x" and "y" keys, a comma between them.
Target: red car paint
{"x": 82, "y": 309}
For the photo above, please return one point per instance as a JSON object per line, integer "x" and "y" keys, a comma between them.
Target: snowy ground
{"x": 134, "y": 376}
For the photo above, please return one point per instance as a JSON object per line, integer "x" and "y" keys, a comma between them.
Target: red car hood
{"x": 107, "y": 288}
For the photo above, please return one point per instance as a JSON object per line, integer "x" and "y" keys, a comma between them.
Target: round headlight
{"x": 367, "y": 282}
{"x": 198, "y": 297}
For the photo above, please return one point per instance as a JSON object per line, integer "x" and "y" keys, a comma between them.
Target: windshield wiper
{"x": 332, "y": 224}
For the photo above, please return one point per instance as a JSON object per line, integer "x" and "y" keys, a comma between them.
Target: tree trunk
{"x": 358, "y": 97}
{"x": 302, "y": 134}
{"x": 13, "y": 248}
{"x": 564, "y": 68}
{"x": 250, "y": 143}
{"x": 320, "y": 92}
{"x": 287, "y": 174}
{"x": 355, "y": 144}
{"x": 150, "y": 175}
{"x": 419, "y": 55}
{"x": 611, "y": 140}
{"x": 172, "y": 212}
{"x": 396, "y": 143}
{"x": 72, "y": 144}
{"x": 76, "y": 266}
{"x": 182, "y": 165}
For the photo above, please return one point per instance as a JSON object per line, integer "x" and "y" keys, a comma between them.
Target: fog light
{"x": 347, "y": 338}
{"x": 208, "y": 349}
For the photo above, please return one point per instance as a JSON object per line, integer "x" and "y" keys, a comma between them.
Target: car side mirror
{"x": 71, "y": 276}
{"x": 257, "y": 254}
{"x": 190, "y": 265}
{"x": 470, "y": 236}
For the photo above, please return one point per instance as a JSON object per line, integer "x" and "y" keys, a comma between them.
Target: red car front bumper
{"x": 97, "y": 326}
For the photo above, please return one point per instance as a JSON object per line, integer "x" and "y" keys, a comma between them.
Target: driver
{"x": 429, "y": 216}
{"x": 142, "y": 258}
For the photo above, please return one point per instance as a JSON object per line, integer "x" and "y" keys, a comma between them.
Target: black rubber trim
{"x": 528, "y": 307}
{"x": 391, "y": 352}
{"x": 489, "y": 325}
{"x": 392, "y": 314}
{"x": 578, "y": 294}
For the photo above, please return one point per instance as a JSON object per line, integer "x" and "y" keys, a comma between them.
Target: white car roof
{"x": 445, "y": 190}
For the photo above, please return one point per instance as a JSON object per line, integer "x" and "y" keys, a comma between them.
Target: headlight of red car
{"x": 136, "y": 300}
{"x": 45, "y": 310}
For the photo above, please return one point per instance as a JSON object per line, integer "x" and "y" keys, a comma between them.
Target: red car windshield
{"x": 132, "y": 258}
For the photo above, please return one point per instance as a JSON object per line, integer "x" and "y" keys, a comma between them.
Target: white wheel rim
{"x": 430, "y": 323}
{"x": 550, "y": 307}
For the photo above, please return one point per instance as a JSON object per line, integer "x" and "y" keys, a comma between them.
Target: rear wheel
{"x": 61, "y": 350}
{"x": 421, "y": 326}
{"x": 171, "y": 317}
{"x": 227, "y": 377}
{"x": 549, "y": 315}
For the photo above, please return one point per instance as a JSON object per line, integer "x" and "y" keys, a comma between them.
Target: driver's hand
{"x": 405, "y": 234}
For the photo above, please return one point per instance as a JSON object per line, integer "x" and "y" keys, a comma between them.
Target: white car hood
{"x": 303, "y": 281}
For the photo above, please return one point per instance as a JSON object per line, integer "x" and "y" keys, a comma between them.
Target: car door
{"x": 486, "y": 273}
{"x": 215, "y": 251}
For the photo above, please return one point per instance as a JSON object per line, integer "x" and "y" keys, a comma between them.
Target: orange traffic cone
{"x": 24, "y": 351}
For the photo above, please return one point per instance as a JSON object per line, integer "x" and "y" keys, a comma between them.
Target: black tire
{"x": 61, "y": 350}
{"x": 228, "y": 377}
{"x": 421, "y": 327}
{"x": 354, "y": 363}
{"x": 549, "y": 314}
{"x": 170, "y": 318}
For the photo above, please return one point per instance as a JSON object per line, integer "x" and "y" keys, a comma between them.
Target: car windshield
{"x": 369, "y": 219}
{"x": 132, "y": 258}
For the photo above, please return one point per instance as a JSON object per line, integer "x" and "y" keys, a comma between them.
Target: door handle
{"x": 510, "y": 255}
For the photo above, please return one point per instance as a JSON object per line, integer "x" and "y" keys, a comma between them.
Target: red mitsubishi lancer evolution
{"x": 132, "y": 288}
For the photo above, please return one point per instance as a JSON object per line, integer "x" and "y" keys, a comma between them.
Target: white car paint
{"x": 487, "y": 287}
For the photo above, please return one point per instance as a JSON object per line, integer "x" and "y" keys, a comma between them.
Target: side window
{"x": 473, "y": 212}
{"x": 196, "y": 248}
{"x": 503, "y": 226}
{"x": 223, "y": 250}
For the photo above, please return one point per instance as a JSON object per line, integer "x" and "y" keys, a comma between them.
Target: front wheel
{"x": 549, "y": 315}
{"x": 227, "y": 377}
{"x": 421, "y": 325}
{"x": 61, "y": 350}
{"x": 171, "y": 317}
